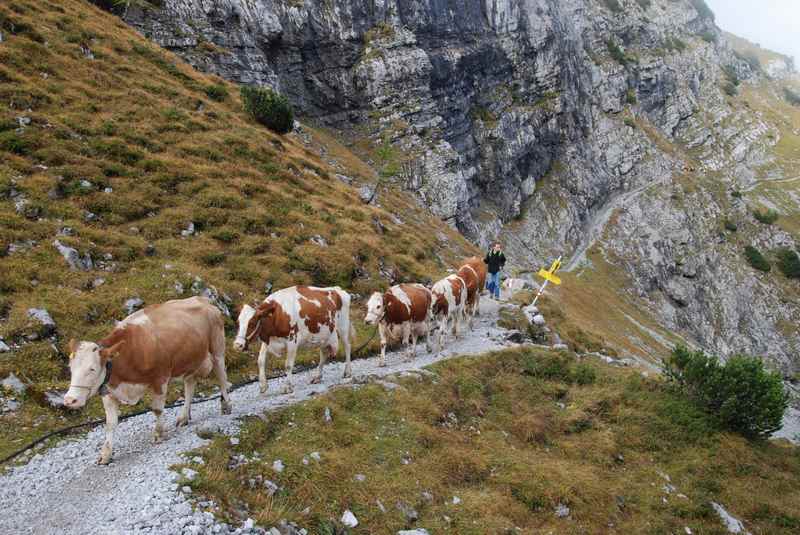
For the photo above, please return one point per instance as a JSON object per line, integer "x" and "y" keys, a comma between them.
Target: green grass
{"x": 512, "y": 436}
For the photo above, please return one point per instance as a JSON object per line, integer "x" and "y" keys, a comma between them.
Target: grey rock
{"x": 562, "y": 511}
{"x": 278, "y": 466}
{"x": 418, "y": 531}
{"x": 54, "y": 399}
{"x": 13, "y": 383}
{"x": 319, "y": 240}
{"x": 539, "y": 320}
{"x": 349, "y": 519}
{"x": 132, "y": 305}
{"x": 73, "y": 258}
{"x": 189, "y": 230}
{"x": 4, "y": 347}
{"x": 368, "y": 194}
{"x": 409, "y": 512}
{"x": 47, "y": 326}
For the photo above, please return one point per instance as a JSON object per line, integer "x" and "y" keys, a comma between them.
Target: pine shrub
{"x": 792, "y": 97}
{"x": 741, "y": 395}
{"x": 767, "y": 217}
{"x": 703, "y": 10}
{"x": 756, "y": 259}
{"x": 616, "y": 52}
{"x": 217, "y": 92}
{"x": 268, "y": 108}
{"x": 613, "y": 5}
{"x": 789, "y": 263}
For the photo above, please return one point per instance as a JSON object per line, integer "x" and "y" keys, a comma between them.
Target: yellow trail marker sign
{"x": 549, "y": 275}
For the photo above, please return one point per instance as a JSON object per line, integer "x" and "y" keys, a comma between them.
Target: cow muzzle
{"x": 74, "y": 402}
{"x": 240, "y": 344}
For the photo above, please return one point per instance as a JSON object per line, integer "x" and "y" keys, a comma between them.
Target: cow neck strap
{"x": 103, "y": 390}
{"x": 255, "y": 331}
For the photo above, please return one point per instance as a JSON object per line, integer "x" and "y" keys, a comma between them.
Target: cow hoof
{"x": 263, "y": 389}
{"x": 316, "y": 380}
{"x": 104, "y": 459}
{"x": 287, "y": 389}
{"x": 348, "y": 372}
{"x": 181, "y": 421}
{"x": 225, "y": 407}
{"x": 158, "y": 438}
{"x": 382, "y": 364}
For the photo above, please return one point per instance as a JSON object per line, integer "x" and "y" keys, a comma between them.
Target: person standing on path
{"x": 495, "y": 260}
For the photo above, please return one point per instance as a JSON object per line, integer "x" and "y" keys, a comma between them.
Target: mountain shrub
{"x": 756, "y": 259}
{"x": 741, "y": 395}
{"x": 767, "y": 217}
{"x": 703, "y": 10}
{"x": 217, "y": 92}
{"x": 613, "y": 5}
{"x": 789, "y": 263}
{"x": 644, "y": 4}
{"x": 792, "y": 97}
{"x": 616, "y": 52}
{"x": 730, "y": 226}
{"x": 709, "y": 36}
{"x": 268, "y": 108}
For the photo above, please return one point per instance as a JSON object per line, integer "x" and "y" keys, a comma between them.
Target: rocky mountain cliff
{"x": 557, "y": 126}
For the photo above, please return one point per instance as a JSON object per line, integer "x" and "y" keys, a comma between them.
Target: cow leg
{"x": 189, "y": 383}
{"x": 347, "y": 341}
{"x": 428, "y": 344}
{"x": 442, "y": 333}
{"x": 382, "y": 334}
{"x": 410, "y": 339}
{"x": 157, "y": 405}
{"x": 111, "y": 407}
{"x": 218, "y": 360}
{"x": 262, "y": 368}
{"x": 323, "y": 355}
{"x": 291, "y": 354}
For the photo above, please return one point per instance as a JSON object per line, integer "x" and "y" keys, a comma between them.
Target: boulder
{"x": 73, "y": 258}
{"x": 13, "y": 383}
{"x": 47, "y": 326}
{"x": 132, "y": 305}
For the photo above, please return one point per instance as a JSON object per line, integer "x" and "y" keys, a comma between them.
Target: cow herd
{"x": 186, "y": 339}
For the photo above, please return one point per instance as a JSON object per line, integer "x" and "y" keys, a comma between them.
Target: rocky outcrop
{"x": 535, "y": 121}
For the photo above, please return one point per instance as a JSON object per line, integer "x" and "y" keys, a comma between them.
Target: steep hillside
{"x": 519, "y": 441}
{"x": 558, "y": 126}
{"x": 164, "y": 188}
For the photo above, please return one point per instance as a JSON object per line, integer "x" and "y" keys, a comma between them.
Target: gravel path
{"x": 63, "y": 491}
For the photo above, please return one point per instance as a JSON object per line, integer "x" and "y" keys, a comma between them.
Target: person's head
{"x": 497, "y": 246}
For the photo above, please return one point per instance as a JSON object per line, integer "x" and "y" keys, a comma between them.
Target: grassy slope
{"x": 491, "y": 431}
{"x": 138, "y": 120}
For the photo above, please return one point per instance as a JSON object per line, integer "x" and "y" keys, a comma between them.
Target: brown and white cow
{"x": 449, "y": 297}
{"x": 182, "y": 338}
{"x": 473, "y": 272}
{"x": 401, "y": 313}
{"x": 295, "y": 317}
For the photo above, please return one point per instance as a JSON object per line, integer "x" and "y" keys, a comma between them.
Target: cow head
{"x": 87, "y": 365}
{"x": 375, "y": 309}
{"x": 252, "y": 322}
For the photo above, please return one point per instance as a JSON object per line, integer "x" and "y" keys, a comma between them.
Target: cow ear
{"x": 265, "y": 309}
{"x": 109, "y": 353}
{"x": 72, "y": 347}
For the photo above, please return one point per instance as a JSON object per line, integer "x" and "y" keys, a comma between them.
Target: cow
{"x": 448, "y": 299}
{"x": 401, "y": 313}
{"x": 514, "y": 285}
{"x": 473, "y": 272}
{"x": 181, "y": 338}
{"x": 295, "y": 317}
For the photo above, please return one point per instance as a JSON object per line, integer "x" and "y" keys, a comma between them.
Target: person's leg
{"x": 496, "y": 285}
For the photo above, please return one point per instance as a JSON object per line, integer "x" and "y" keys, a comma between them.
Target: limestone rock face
{"x": 549, "y": 124}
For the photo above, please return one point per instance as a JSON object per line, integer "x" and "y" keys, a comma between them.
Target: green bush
{"x": 644, "y": 4}
{"x": 217, "y": 92}
{"x": 616, "y": 52}
{"x": 731, "y": 226}
{"x": 767, "y": 217}
{"x": 741, "y": 395}
{"x": 629, "y": 122}
{"x": 756, "y": 259}
{"x": 751, "y": 59}
{"x": 709, "y": 36}
{"x": 730, "y": 73}
{"x": 613, "y": 5}
{"x": 789, "y": 263}
{"x": 730, "y": 89}
{"x": 792, "y": 97}
{"x": 703, "y": 10}
{"x": 630, "y": 96}
{"x": 268, "y": 108}
{"x": 584, "y": 374}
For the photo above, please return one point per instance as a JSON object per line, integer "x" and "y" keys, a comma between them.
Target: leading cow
{"x": 401, "y": 313}
{"x": 183, "y": 338}
{"x": 295, "y": 317}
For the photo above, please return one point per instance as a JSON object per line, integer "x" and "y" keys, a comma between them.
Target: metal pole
{"x": 541, "y": 291}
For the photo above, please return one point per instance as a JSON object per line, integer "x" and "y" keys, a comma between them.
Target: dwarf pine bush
{"x": 268, "y": 108}
{"x": 756, "y": 259}
{"x": 741, "y": 395}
